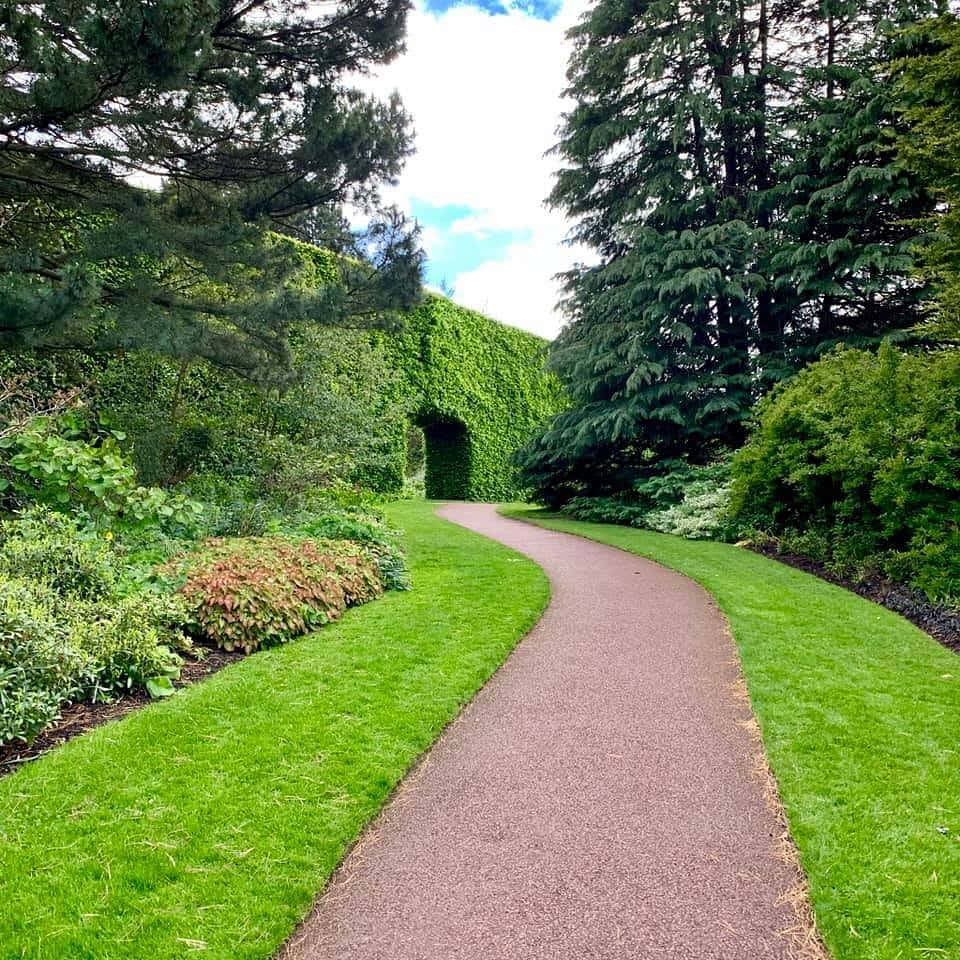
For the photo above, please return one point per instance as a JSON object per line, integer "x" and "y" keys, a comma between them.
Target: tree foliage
{"x": 927, "y": 85}
{"x": 148, "y": 149}
{"x": 730, "y": 165}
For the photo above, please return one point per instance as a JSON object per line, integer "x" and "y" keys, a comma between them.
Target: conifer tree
{"x": 928, "y": 78}
{"x": 149, "y": 151}
{"x": 728, "y": 162}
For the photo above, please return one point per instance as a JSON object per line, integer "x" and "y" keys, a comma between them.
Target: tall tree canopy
{"x": 928, "y": 83}
{"x": 149, "y": 151}
{"x": 729, "y": 161}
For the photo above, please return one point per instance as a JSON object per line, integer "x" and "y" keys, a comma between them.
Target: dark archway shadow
{"x": 447, "y": 455}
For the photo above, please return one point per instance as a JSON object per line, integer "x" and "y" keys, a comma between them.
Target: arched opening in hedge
{"x": 477, "y": 391}
{"x": 447, "y": 456}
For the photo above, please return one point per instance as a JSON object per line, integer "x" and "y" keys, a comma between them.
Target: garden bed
{"x": 77, "y": 718}
{"x": 940, "y": 621}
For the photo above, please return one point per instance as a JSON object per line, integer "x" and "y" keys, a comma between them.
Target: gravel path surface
{"x": 598, "y": 799}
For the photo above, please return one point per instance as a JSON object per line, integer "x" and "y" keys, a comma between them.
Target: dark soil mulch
{"x": 941, "y": 622}
{"x": 77, "y": 718}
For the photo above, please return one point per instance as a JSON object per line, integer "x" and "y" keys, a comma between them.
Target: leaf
{"x": 159, "y": 687}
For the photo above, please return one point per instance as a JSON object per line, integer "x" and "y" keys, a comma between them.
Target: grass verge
{"x": 208, "y": 823}
{"x": 859, "y": 714}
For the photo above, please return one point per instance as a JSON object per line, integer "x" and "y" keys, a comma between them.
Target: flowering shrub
{"x": 262, "y": 591}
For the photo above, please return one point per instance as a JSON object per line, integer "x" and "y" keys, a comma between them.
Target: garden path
{"x": 598, "y": 799}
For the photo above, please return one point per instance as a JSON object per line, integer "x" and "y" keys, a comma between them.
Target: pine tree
{"x": 928, "y": 78}
{"x": 148, "y": 151}
{"x": 727, "y": 162}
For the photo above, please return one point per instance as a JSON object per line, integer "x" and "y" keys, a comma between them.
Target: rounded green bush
{"x": 859, "y": 457}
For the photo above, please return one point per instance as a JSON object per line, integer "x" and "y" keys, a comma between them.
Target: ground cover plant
{"x": 260, "y": 591}
{"x": 211, "y": 820}
{"x": 853, "y": 704}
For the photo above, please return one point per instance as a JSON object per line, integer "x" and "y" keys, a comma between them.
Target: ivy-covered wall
{"x": 476, "y": 388}
{"x": 478, "y": 391}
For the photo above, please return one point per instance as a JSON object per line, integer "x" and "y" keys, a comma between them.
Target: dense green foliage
{"x": 927, "y": 85}
{"x": 857, "y": 461}
{"x": 245, "y": 791}
{"x": 148, "y": 149}
{"x": 475, "y": 387}
{"x": 68, "y": 629}
{"x": 91, "y": 611}
{"x": 851, "y": 701}
{"x": 731, "y": 167}
{"x": 75, "y": 466}
{"x": 478, "y": 391}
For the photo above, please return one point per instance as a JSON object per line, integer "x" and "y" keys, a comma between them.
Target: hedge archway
{"x": 477, "y": 389}
{"x": 447, "y": 456}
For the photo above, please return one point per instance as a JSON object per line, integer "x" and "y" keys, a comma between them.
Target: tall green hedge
{"x": 475, "y": 387}
{"x": 478, "y": 390}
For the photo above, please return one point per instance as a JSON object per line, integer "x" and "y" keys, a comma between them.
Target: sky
{"x": 483, "y": 82}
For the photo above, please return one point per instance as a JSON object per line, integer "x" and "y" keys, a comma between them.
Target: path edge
{"x": 804, "y": 935}
{"x": 419, "y": 763}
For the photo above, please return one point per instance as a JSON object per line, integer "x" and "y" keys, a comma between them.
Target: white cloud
{"x": 520, "y": 289}
{"x": 485, "y": 94}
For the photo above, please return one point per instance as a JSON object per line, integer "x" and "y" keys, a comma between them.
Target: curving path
{"x": 598, "y": 798}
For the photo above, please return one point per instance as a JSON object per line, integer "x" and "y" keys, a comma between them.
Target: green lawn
{"x": 860, "y": 713}
{"x": 209, "y": 822}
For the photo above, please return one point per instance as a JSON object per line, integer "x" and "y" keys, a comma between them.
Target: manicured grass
{"x": 860, "y": 713}
{"x": 209, "y": 822}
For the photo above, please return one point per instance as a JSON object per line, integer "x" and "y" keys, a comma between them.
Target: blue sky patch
{"x": 451, "y": 254}
{"x": 541, "y": 9}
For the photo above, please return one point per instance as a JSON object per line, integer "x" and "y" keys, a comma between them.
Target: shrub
{"x": 43, "y": 545}
{"x": 128, "y": 644}
{"x": 262, "y": 591}
{"x": 702, "y": 514}
{"x": 337, "y": 512}
{"x": 68, "y": 466}
{"x": 39, "y": 669}
{"x": 605, "y": 510}
{"x": 678, "y": 498}
{"x": 371, "y": 531}
{"x": 859, "y": 457}
{"x": 56, "y": 647}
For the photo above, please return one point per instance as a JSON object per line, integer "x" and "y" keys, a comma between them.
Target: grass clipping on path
{"x": 208, "y": 823}
{"x": 859, "y": 713}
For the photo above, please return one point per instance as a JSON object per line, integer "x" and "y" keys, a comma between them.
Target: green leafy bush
{"x": 679, "y": 498}
{"x": 60, "y": 463}
{"x": 40, "y": 544}
{"x": 262, "y": 591}
{"x": 56, "y": 648}
{"x": 67, "y": 629}
{"x": 857, "y": 462}
{"x": 39, "y": 669}
{"x": 129, "y": 643}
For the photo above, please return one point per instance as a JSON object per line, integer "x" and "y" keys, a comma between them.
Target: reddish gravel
{"x": 598, "y": 799}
